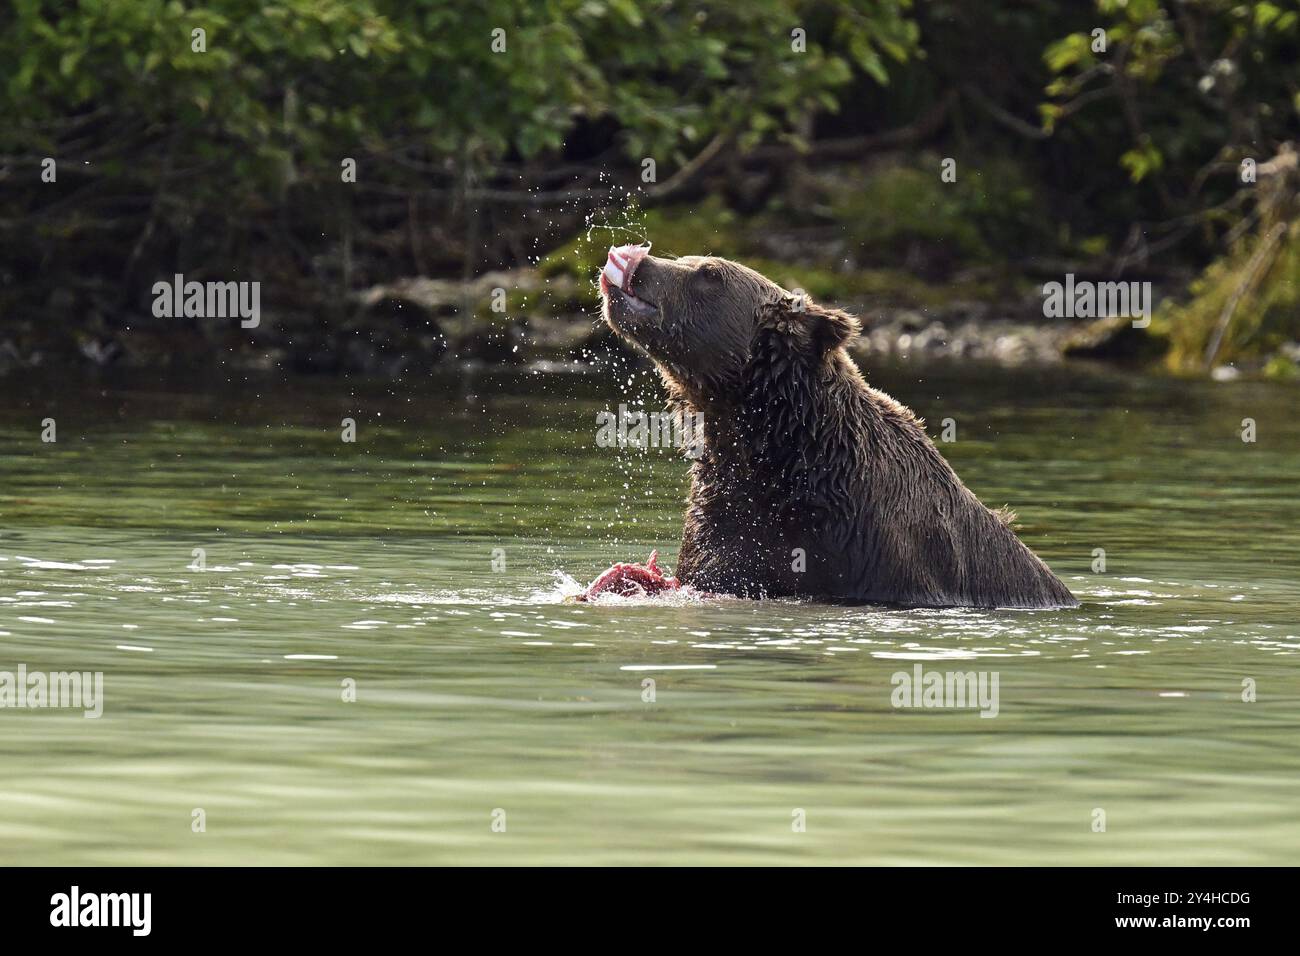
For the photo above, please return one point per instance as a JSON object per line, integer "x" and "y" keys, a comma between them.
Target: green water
{"x": 481, "y": 690}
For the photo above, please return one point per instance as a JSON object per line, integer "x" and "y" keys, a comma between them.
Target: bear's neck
{"x": 792, "y": 438}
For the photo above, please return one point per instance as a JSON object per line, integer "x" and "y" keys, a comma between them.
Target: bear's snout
{"x": 619, "y": 266}
{"x": 625, "y": 310}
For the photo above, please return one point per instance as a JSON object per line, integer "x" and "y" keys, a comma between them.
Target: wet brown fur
{"x": 801, "y": 456}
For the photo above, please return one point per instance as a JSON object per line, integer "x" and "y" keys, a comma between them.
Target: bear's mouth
{"x": 616, "y": 281}
{"x": 634, "y": 304}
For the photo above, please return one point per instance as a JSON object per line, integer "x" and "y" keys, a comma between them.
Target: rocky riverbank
{"x": 546, "y": 317}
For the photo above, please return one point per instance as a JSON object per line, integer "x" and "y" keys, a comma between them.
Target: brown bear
{"x": 809, "y": 482}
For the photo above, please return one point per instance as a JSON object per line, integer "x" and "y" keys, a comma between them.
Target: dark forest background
{"x": 504, "y": 144}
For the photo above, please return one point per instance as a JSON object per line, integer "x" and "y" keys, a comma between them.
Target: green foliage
{"x": 313, "y": 78}
{"x": 1142, "y": 160}
{"x": 705, "y": 228}
{"x": 1191, "y": 90}
{"x": 266, "y": 84}
{"x": 1266, "y": 316}
{"x": 228, "y": 158}
{"x": 711, "y": 228}
{"x": 987, "y": 213}
{"x": 231, "y": 156}
{"x": 1182, "y": 84}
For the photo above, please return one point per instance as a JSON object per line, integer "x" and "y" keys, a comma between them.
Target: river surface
{"x": 323, "y": 651}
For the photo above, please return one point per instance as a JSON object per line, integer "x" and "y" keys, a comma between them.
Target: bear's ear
{"x": 799, "y": 317}
{"x": 831, "y": 328}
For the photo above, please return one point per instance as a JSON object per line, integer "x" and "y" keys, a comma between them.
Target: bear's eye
{"x": 709, "y": 272}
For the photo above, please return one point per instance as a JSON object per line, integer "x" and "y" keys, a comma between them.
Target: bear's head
{"x": 705, "y": 320}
